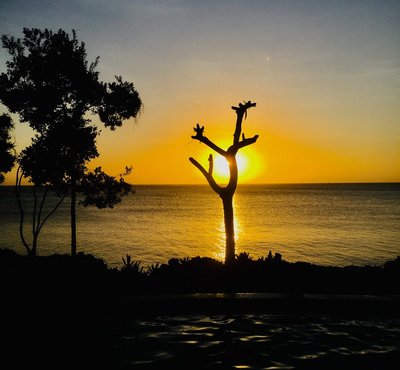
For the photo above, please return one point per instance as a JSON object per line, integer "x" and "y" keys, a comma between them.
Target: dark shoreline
{"x": 271, "y": 274}
{"x": 64, "y": 312}
{"x": 201, "y": 284}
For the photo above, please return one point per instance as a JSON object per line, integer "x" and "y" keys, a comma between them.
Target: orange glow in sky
{"x": 325, "y": 77}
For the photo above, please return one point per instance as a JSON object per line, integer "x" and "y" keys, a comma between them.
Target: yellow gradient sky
{"x": 325, "y": 76}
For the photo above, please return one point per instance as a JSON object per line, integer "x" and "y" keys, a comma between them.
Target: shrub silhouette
{"x": 197, "y": 274}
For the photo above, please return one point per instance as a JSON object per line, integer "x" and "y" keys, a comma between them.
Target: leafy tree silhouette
{"x": 51, "y": 86}
{"x": 226, "y": 193}
{"x": 7, "y": 151}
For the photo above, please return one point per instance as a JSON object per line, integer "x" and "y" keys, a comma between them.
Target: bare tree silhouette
{"x": 226, "y": 193}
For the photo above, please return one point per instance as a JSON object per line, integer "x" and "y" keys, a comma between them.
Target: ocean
{"x": 327, "y": 224}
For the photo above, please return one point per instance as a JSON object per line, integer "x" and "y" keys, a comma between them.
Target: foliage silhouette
{"x": 51, "y": 86}
{"x": 130, "y": 266}
{"x": 102, "y": 190}
{"x": 200, "y": 274}
{"x": 226, "y": 193}
{"x": 7, "y": 150}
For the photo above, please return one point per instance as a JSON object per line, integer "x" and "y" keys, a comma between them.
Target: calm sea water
{"x": 259, "y": 341}
{"x": 336, "y": 224}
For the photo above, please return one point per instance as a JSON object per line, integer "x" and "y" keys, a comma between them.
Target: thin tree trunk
{"x": 73, "y": 214}
{"x": 40, "y": 223}
{"x": 34, "y": 233}
{"x": 50, "y": 213}
{"x": 19, "y": 177}
{"x": 229, "y": 229}
{"x": 34, "y": 244}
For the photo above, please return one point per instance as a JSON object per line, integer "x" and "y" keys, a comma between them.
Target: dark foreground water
{"x": 258, "y": 341}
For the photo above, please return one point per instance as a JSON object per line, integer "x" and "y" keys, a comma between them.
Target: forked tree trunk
{"x": 37, "y": 220}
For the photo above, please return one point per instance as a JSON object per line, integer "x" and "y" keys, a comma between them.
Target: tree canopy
{"x": 48, "y": 76}
{"x": 52, "y": 87}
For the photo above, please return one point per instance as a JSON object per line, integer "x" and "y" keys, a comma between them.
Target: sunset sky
{"x": 325, "y": 76}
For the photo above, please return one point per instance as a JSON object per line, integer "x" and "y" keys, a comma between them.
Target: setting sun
{"x": 250, "y": 165}
{"x": 221, "y": 166}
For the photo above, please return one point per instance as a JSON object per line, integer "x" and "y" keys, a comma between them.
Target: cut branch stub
{"x": 208, "y": 176}
{"x": 242, "y": 108}
{"x": 203, "y": 139}
{"x": 245, "y": 142}
{"x": 240, "y": 111}
{"x": 210, "y": 164}
{"x": 199, "y": 132}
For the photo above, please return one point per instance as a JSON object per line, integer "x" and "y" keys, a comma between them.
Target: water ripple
{"x": 254, "y": 341}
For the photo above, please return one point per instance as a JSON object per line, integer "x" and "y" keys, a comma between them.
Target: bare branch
{"x": 243, "y": 107}
{"x": 210, "y": 164}
{"x": 246, "y": 142}
{"x": 203, "y": 139}
{"x": 207, "y": 175}
{"x": 41, "y": 206}
{"x": 240, "y": 111}
{"x": 199, "y": 132}
{"x": 51, "y": 212}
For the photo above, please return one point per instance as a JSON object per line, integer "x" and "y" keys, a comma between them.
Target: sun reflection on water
{"x": 219, "y": 253}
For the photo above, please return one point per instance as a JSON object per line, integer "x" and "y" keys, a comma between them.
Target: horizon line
{"x": 251, "y": 184}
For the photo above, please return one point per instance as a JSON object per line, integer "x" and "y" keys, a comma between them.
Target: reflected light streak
{"x": 219, "y": 254}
